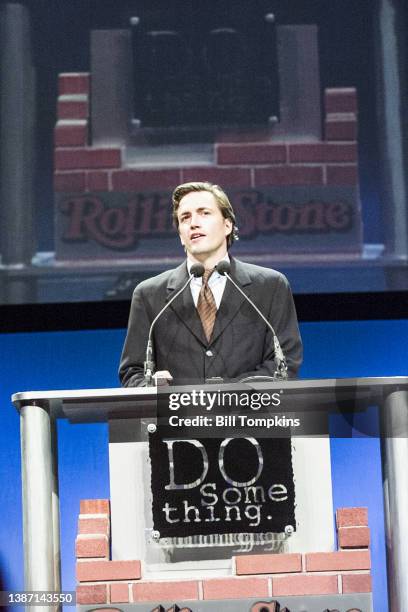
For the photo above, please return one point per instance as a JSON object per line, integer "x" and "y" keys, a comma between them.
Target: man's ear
{"x": 182, "y": 243}
{"x": 228, "y": 226}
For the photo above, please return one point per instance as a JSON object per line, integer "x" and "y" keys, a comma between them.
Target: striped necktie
{"x": 206, "y": 306}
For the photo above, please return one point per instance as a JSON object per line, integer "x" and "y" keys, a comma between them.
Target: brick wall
{"x": 102, "y": 581}
{"x": 323, "y": 173}
{"x": 79, "y": 167}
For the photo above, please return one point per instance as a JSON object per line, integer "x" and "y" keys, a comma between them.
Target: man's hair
{"x": 220, "y": 197}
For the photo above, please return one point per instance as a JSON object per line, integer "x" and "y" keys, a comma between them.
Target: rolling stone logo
{"x": 120, "y": 221}
{"x": 260, "y": 606}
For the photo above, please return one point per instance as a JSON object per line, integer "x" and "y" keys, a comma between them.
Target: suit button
{"x": 209, "y": 353}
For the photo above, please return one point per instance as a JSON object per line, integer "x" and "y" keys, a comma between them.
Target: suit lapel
{"x": 184, "y": 306}
{"x": 231, "y": 300}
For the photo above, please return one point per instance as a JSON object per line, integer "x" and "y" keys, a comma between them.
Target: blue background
{"x": 88, "y": 359}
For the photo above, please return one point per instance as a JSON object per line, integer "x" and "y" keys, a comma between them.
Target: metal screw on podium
{"x": 289, "y": 529}
{"x": 155, "y": 534}
{"x": 151, "y": 428}
{"x": 134, "y": 21}
{"x": 270, "y": 18}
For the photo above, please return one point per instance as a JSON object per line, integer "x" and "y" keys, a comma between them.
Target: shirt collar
{"x": 214, "y": 274}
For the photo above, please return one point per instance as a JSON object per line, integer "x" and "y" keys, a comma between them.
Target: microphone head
{"x": 197, "y": 270}
{"x": 223, "y": 267}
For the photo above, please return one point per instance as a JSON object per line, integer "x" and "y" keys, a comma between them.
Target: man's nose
{"x": 195, "y": 220}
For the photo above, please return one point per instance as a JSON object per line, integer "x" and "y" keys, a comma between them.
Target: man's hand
{"x": 162, "y": 377}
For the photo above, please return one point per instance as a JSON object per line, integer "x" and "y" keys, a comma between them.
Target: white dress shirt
{"x": 216, "y": 283}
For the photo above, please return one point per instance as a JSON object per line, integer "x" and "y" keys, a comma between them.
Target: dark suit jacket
{"x": 241, "y": 344}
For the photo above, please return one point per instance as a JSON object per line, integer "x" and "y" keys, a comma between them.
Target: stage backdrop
{"x": 88, "y": 359}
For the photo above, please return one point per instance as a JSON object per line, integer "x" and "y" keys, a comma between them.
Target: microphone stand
{"x": 196, "y": 271}
{"x": 281, "y": 370}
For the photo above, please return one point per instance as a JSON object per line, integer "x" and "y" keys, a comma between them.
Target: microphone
{"x": 281, "y": 371}
{"x": 196, "y": 271}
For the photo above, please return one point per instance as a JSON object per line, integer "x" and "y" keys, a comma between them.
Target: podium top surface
{"x": 95, "y": 405}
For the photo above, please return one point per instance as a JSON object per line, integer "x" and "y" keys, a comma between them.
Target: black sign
{"x": 221, "y": 485}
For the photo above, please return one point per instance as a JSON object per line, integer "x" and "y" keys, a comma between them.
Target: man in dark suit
{"x": 210, "y": 330}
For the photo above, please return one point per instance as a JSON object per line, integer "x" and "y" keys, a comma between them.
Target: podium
{"x": 40, "y": 410}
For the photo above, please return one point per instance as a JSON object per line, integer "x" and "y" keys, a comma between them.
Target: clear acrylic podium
{"x": 40, "y": 410}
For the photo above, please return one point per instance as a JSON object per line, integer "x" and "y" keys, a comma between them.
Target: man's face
{"x": 202, "y": 228}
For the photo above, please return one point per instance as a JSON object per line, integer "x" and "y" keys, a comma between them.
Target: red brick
{"x": 354, "y": 537}
{"x": 71, "y": 135}
{"x": 268, "y": 564}
{"x": 251, "y": 153}
{"x": 339, "y": 560}
{"x": 351, "y": 517}
{"x": 72, "y": 109}
{"x": 87, "y": 547}
{"x": 92, "y": 594}
{"x": 356, "y": 583}
{"x": 72, "y": 182}
{"x": 340, "y": 128}
{"x": 73, "y": 83}
{"x": 323, "y": 152}
{"x": 138, "y": 180}
{"x": 304, "y": 585}
{"x": 97, "y": 181}
{"x": 341, "y": 100}
{"x": 226, "y": 177}
{"x": 119, "y": 593}
{"x": 108, "y": 570}
{"x": 234, "y": 588}
{"x": 94, "y": 506}
{"x": 289, "y": 175}
{"x": 342, "y": 175}
{"x": 177, "y": 590}
{"x": 93, "y": 526}
{"x": 68, "y": 159}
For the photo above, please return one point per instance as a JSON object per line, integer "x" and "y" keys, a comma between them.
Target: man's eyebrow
{"x": 188, "y": 212}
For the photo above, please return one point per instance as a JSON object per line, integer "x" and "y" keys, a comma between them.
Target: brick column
{"x": 344, "y": 571}
{"x": 79, "y": 167}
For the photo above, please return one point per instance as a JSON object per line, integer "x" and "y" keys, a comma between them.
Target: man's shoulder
{"x": 162, "y": 280}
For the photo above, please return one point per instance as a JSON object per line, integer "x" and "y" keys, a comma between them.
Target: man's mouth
{"x": 196, "y": 236}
